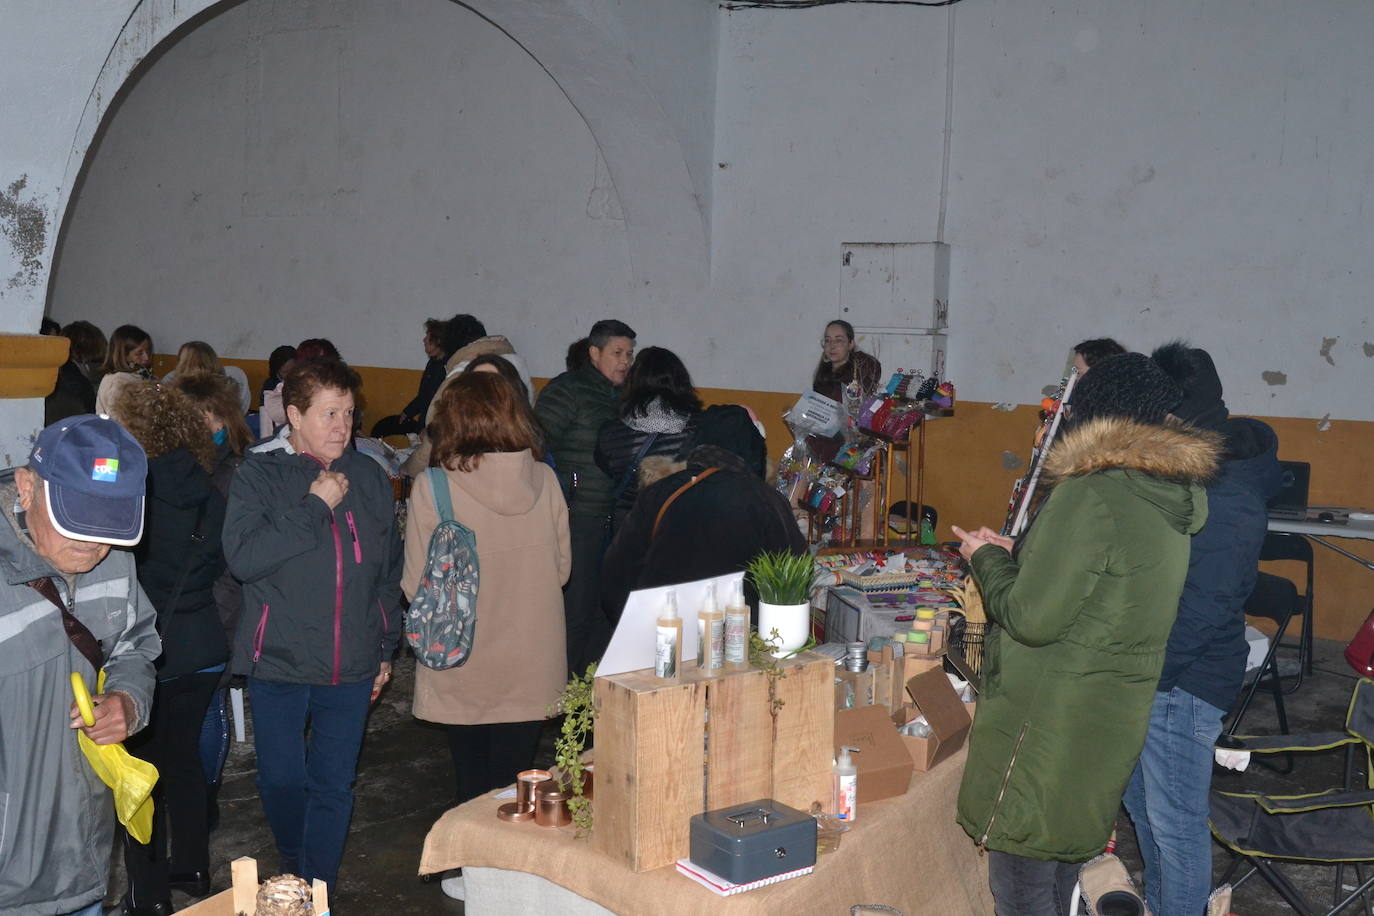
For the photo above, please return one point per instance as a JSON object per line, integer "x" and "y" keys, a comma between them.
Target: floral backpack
{"x": 443, "y": 615}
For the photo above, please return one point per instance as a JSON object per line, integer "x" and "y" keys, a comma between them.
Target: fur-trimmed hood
{"x": 1173, "y": 452}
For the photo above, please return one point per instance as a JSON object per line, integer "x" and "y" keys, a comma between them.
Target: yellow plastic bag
{"x": 131, "y": 779}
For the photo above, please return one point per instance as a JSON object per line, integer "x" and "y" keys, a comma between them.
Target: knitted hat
{"x": 1194, "y": 372}
{"x": 1130, "y": 386}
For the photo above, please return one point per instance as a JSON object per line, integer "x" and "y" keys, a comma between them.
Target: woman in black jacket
{"x": 216, "y": 398}
{"x": 179, "y": 560}
{"x": 658, "y": 414}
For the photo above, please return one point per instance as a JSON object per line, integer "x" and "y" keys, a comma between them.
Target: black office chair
{"x": 1273, "y": 598}
{"x": 1280, "y": 545}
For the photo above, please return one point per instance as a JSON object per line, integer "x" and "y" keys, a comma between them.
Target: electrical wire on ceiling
{"x": 810, "y": 4}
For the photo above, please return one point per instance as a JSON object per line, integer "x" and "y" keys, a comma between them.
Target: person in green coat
{"x": 571, "y": 409}
{"x": 1082, "y": 607}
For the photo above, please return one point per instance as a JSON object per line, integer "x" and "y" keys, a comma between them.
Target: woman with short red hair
{"x": 487, "y": 451}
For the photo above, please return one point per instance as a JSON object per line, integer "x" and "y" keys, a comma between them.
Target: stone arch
{"x": 668, "y": 241}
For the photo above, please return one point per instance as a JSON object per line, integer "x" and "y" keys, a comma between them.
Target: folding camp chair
{"x": 1335, "y": 827}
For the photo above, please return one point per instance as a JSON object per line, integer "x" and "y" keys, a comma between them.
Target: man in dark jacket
{"x": 1204, "y": 664}
{"x": 715, "y": 525}
{"x": 572, "y": 409}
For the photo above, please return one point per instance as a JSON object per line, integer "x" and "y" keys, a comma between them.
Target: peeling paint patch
{"x": 1327, "y": 344}
{"x": 1005, "y": 406}
{"x": 1369, "y": 349}
{"x": 1274, "y": 378}
{"x": 1012, "y": 461}
{"x": 24, "y": 226}
{"x": 1324, "y": 423}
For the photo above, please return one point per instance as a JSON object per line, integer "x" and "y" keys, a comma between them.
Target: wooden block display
{"x": 666, "y": 750}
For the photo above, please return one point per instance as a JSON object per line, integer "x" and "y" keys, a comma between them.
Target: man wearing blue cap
{"x": 67, "y": 604}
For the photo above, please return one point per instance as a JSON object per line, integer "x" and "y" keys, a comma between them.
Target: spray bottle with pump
{"x": 845, "y": 782}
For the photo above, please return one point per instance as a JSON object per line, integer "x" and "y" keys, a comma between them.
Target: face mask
{"x": 221, "y": 435}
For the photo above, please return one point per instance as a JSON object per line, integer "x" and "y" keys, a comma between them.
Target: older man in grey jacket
{"x": 67, "y": 605}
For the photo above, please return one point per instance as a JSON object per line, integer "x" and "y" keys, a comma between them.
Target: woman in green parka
{"x": 1083, "y": 606}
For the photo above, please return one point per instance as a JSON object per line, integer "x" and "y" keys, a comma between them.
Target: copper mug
{"x": 527, "y": 788}
{"x": 551, "y": 805}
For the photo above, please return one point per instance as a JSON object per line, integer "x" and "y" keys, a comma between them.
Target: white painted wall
{"x": 265, "y": 182}
{"x": 1143, "y": 171}
{"x": 1167, "y": 168}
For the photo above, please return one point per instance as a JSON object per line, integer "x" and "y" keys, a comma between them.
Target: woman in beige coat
{"x": 485, "y": 439}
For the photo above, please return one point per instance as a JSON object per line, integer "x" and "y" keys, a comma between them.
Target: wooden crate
{"x": 666, "y": 750}
{"x": 241, "y": 898}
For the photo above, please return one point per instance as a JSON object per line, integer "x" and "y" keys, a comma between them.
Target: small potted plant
{"x": 784, "y": 582}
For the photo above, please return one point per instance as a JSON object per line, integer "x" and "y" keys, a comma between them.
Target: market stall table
{"x": 902, "y": 852}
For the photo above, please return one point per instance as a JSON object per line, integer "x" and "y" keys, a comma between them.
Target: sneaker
{"x": 454, "y": 887}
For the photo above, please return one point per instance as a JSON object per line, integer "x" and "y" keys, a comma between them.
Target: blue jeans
{"x": 1167, "y": 799}
{"x": 307, "y": 787}
{"x": 95, "y": 909}
{"x": 214, "y": 737}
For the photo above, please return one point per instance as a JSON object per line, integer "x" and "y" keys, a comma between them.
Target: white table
{"x": 1339, "y": 527}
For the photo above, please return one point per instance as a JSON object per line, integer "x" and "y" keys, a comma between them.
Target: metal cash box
{"x": 753, "y": 841}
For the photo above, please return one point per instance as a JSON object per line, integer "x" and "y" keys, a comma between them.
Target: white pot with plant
{"x": 784, "y": 581}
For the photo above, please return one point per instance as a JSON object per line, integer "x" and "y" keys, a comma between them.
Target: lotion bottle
{"x": 710, "y": 633}
{"x": 668, "y": 639}
{"x": 845, "y": 783}
{"x": 737, "y": 626}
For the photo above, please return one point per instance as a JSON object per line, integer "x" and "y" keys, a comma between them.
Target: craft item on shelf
{"x": 944, "y": 395}
{"x": 857, "y": 458}
{"x": 816, "y": 415}
{"x": 796, "y": 469}
{"x": 890, "y": 417}
{"x": 1024, "y": 491}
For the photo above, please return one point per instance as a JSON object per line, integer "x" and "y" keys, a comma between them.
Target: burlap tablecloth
{"x": 903, "y": 852}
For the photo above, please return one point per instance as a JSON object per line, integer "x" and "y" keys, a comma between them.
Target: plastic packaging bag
{"x": 131, "y": 779}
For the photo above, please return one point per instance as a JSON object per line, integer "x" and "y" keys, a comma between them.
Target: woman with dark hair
{"x": 75, "y": 390}
{"x": 127, "y": 360}
{"x": 179, "y": 560}
{"x": 487, "y": 452}
{"x": 412, "y": 417}
{"x": 311, "y": 534}
{"x": 502, "y": 367}
{"x": 658, "y": 414}
{"x": 1089, "y": 353}
{"x": 1084, "y": 604}
{"x": 217, "y": 399}
{"x": 842, "y": 363}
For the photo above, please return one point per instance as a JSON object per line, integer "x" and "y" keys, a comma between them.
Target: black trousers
{"x": 486, "y": 757}
{"x": 171, "y": 742}
{"x": 588, "y": 630}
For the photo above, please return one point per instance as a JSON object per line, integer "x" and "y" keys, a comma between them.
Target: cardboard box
{"x": 891, "y": 672}
{"x": 883, "y": 762}
{"x": 949, "y": 718}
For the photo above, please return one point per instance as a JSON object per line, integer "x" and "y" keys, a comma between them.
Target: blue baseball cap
{"x": 93, "y": 476}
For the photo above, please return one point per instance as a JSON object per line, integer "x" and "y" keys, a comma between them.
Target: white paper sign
{"x": 633, "y": 642}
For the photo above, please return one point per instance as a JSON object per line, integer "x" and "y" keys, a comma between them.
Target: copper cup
{"x": 551, "y": 805}
{"x": 526, "y": 787}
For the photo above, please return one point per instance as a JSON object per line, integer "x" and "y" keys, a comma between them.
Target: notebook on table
{"x": 1290, "y": 502}
{"x": 718, "y": 885}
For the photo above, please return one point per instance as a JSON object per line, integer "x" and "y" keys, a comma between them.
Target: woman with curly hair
{"x": 218, "y": 402}
{"x": 179, "y": 561}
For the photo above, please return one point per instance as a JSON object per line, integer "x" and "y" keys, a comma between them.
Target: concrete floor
{"x": 405, "y": 782}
